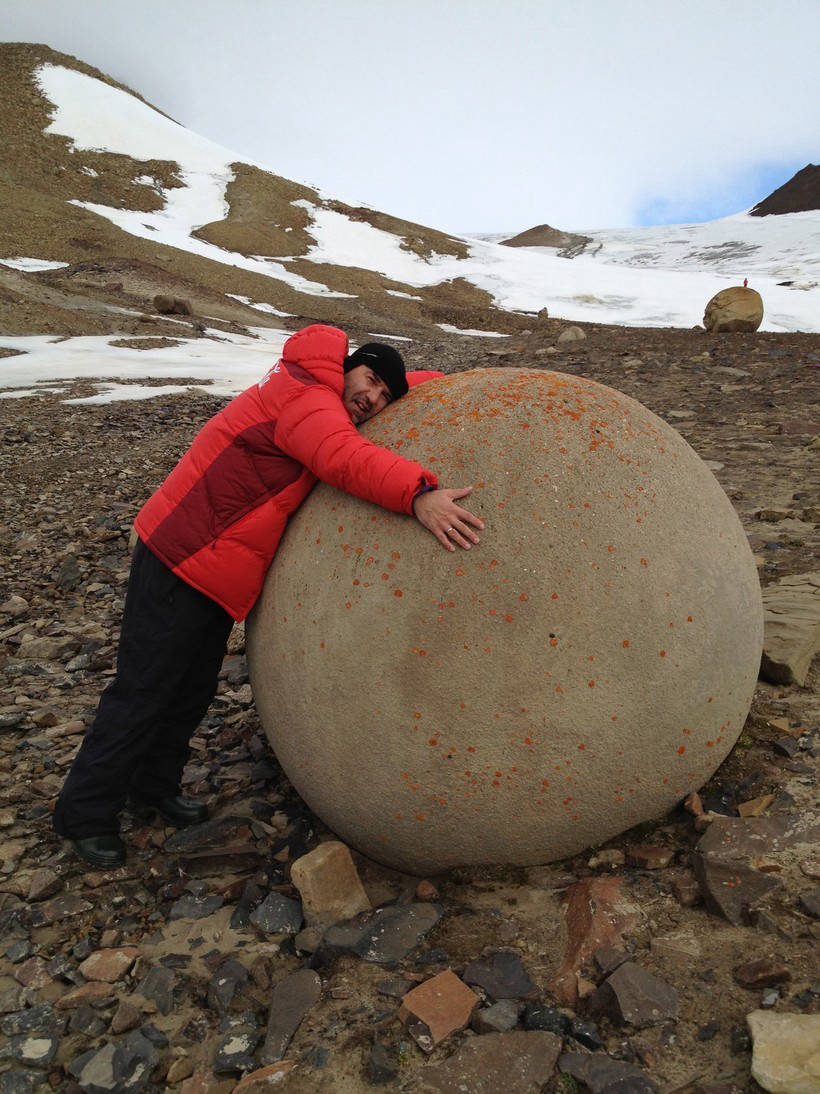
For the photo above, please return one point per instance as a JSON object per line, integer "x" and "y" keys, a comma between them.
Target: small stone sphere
{"x": 581, "y": 670}
{"x": 738, "y": 308}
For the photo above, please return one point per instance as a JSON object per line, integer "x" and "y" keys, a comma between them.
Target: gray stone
{"x": 546, "y": 1018}
{"x": 601, "y": 1073}
{"x": 586, "y": 1034}
{"x": 87, "y": 1021}
{"x": 785, "y": 1051}
{"x": 32, "y": 1049}
{"x": 292, "y": 998}
{"x": 571, "y": 334}
{"x": 223, "y": 986}
{"x": 501, "y": 974}
{"x": 158, "y": 985}
{"x": 384, "y": 936}
{"x": 634, "y": 996}
{"x": 210, "y": 835}
{"x": 195, "y": 907}
{"x": 19, "y": 951}
{"x": 382, "y": 1063}
{"x": 235, "y": 1052}
{"x": 810, "y": 903}
{"x": 41, "y": 1018}
{"x": 118, "y": 1067}
{"x": 277, "y": 914}
{"x": 516, "y": 1062}
{"x": 19, "y": 1082}
{"x": 396, "y": 987}
{"x": 499, "y": 1018}
{"x": 791, "y": 628}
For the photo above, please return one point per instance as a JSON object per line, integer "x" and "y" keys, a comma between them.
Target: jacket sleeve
{"x": 314, "y": 428}
{"x": 422, "y": 377}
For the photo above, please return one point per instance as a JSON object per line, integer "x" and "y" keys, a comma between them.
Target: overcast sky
{"x": 475, "y": 115}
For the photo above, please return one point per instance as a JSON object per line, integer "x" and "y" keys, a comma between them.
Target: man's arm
{"x": 315, "y": 429}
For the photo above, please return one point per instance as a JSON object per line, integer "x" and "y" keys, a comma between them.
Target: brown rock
{"x": 109, "y": 965}
{"x": 438, "y": 1007}
{"x": 686, "y": 891}
{"x": 126, "y": 1017}
{"x": 633, "y": 996}
{"x": 426, "y": 890}
{"x": 329, "y": 885}
{"x": 734, "y": 309}
{"x": 181, "y": 1068}
{"x": 762, "y": 973}
{"x": 92, "y": 994}
{"x": 32, "y": 973}
{"x": 649, "y": 856}
{"x": 597, "y": 913}
{"x": 693, "y": 804}
{"x": 292, "y": 998}
{"x": 44, "y": 883}
{"x": 518, "y": 1062}
{"x": 730, "y": 889}
{"x": 265, "y": 1077}
{"x": 791, "y": 628}
{"x": 755, "y": 806}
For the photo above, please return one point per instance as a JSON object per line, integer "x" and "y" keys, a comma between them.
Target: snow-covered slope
{"x": 647, "y": 277}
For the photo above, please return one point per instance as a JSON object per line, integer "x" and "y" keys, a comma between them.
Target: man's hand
{"x": 450, "y": 523}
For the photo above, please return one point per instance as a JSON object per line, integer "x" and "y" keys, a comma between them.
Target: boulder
{"x": 736, "y": 309}
{"x": 791, "y": 635}
{"x": 579, "y": 672}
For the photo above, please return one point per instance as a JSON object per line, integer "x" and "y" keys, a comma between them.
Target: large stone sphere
{"x": 738, "y": 308}
{"x": 585, "y": 667}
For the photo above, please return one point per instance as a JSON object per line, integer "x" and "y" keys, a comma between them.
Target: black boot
{"x": 106, "y": 851}
{"x": 177, "y": 811}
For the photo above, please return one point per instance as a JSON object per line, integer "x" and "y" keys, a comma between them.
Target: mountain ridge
{"x": 125, "y": 203}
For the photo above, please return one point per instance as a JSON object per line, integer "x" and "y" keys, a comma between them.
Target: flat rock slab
{"x": 190, "y": 906}
{"x": 292, "y": 998}
{"x": 211, "y": 835}
{"x": 118, "y": 1066}
{"x": 501, "y": 974}
{"x": 729, "y": 889}
{"x": 597, "y": 914}
{"x": 440, "y": 1006}
{"x": 741, "y": 838}
{"x": 277, "y": 914}
{"x": 633, "y": 996}
{"x": 384, "y": 936}
{"x": 785, "y": 1052}
{"x": 791, "y": 628}
{"x": 600, "y": 1073}
{"x": 517, "y": 1063}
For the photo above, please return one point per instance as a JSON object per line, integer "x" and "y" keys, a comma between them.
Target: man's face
{"x": 365, "y": 394}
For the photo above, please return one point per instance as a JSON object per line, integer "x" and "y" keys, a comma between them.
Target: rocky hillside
{"x": 110, "y": 271}
{"x": 801, "y": 194}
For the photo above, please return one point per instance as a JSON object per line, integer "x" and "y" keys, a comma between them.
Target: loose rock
{"x": 785, "y": 1051}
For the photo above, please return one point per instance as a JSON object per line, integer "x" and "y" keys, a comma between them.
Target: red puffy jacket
{"x": 218, "y": 518}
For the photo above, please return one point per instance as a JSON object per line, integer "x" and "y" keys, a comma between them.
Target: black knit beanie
{"x": 385, "y": 361}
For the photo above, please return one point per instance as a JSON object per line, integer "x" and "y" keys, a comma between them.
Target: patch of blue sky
{"x": 741, "y": 191}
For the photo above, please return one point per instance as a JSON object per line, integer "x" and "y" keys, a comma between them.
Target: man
{"x": 206, "y": 540}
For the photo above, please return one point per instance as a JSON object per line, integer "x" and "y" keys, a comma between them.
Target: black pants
{"x": 172, "y": 642}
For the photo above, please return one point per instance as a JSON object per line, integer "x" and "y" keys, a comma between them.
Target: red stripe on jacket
{"x": 218, "y": 518}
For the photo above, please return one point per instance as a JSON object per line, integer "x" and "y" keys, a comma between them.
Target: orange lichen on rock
{"x": 566, "y": 470}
